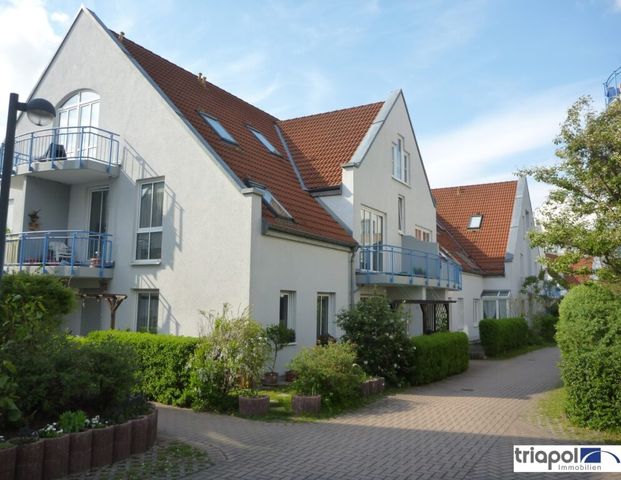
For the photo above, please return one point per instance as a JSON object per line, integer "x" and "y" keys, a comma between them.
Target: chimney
{"x": 121, "y": 36}
{"x": 202, "y": 80}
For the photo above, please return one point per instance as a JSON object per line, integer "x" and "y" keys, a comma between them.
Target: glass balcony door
{"x": 74, "y": 117}
{"x": 97, "y": 222}
{"x": 372, "y": 239}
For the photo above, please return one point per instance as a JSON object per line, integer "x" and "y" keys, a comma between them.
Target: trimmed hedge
{"x": 162, "y": 362}
{"x": 589, "y": 337}
{"x": 502, "y": 335}
{"x": 439, "y": 355}
{"x": 544, "y": 326}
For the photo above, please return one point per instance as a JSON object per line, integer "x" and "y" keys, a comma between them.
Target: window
{"x": 324, "y": 313}
{"x": 286, "y": 316}
{"x": 266, "y": 143}
{"x": 422, "y": 234}
{"x": 270, "y": 201}
{"x": 218, "y": 128}
{"x": 495, "y": 303}
{"x": 400, "y": 162}
{"x": 148, "y": 304}
{"x": 149, "y": 234}
{"x": 372, "y": 236}
{"x": 401, "y": 213}
{"x": 475, "y": 221}
{"x": 476, "y": 311}
{"x": 81, "y": 110}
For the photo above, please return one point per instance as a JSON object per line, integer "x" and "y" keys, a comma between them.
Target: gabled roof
{"x": 248, "y": 159}
{"x": 487, "y": 245}
{"x": 451, "y": 247}
{"x": 321, "y": 144}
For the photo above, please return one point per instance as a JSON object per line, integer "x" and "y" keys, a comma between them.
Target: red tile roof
{"x": 450, "y": 246}
{"x": 487, "y": 245}
{"x": 249, "y": 159}
{"x": 582, "y": 265}
{"x": 321, "y": 144}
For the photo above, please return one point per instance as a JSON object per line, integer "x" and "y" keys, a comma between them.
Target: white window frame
{"x": 264, "y": 141}
{"x": 373, "y": 259}
{"x": 422, "y": 232}
{"x": 497, "y": 299}
{"x": 290, "y": 294}
{"x": 150, "y": 294}
{"x": 330, "y": 312}
{"x": 151, "y": 229}
{"x": 400, "y": 161}
{"x": 476, "y": 311}
{"x": 401, "y": 224}
{"x": 475, "y": 222}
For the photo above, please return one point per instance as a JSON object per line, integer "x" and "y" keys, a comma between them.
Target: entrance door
{"x": 97, "y": 221}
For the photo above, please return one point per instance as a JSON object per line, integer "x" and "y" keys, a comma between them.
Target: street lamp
{"x": 40, "y": 112}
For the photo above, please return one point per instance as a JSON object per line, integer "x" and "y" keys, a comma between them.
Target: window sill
{"x": 401, "y": 181}
{"x": 139, "y": 263}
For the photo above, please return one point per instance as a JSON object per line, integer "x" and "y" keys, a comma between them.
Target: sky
{"x": 487, "y": 82}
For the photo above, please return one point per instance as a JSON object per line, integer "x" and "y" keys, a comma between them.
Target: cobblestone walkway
{"x": 461, "y": 428}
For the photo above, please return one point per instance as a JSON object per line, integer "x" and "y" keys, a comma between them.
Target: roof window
{"x": 218, "y": 128}
{"x": 475, "y": 222}
{"x": 266, "y": 143}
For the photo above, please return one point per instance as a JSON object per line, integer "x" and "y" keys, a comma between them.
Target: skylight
{"x": 218, "y": 128}
{"x": 475, "y": 221}
{"x": 266, "y": 143}
{"x": 270, "y": 201}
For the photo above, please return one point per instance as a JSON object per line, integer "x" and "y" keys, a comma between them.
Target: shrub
{"x": 231, "y": 357}
{"x": 439, "y": 355}
{"x": 72, "y": 422}
{"x": 381, "y": 339}
{"x": 278, "y": 337}
{"x": 544, "y": 326}
{"x": 503, "y": 334}
{"x": 330, "y": 371}
{"x": 8, "y": 394}
{"x": 589, "y": 337}
{"x": 162, "y": 361}
{"x": 32, "y": 306}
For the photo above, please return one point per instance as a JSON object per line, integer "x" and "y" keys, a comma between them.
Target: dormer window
{"x": 475, "y": 222}
{"x": 218, "y": 128}
{"x": 266, "y": 143}
{"x": 270, "y": 201}
{"x": 400, "y": 162}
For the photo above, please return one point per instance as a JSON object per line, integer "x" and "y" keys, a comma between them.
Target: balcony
{"x": 393, "y": 265}
{"x": 65, "y": 253}
{"x": 67, "y": 154}
{"x": 612, "y": 86}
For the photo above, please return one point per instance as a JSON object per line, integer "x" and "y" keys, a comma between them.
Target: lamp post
{"x": 40, "y": 112}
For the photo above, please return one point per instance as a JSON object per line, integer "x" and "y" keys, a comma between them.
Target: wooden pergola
{"x": 435, "y": 313}
{"x": 113, "y": 300}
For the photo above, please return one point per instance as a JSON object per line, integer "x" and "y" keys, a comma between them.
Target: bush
{"x": 32, "y": 306}
{"x": 544, "y": 326}
{"x": 229, "y": 358}
{"x": 162, "y": 361}
{"x": 330, "y": 371}
{"x": 381, "y": 339}
{"x": 439, "y": 355}
{"x": 589, "y": 337}
{"x": 502, "y": 335}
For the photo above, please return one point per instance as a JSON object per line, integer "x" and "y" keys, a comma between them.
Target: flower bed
{"x": 77, "y": 452}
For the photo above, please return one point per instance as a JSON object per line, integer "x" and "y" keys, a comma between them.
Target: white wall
{"x": 207, "y": 221}
{"x": 465, "y": 320}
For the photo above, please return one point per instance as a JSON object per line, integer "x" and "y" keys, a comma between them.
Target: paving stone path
{"x": 461, "y": 428}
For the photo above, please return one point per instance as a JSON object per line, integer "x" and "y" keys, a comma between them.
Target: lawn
{"x": 280, "y": 406}
{"x": 552, "y": 414}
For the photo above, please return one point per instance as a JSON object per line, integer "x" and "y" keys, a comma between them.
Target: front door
{"x": 97, "y": 222}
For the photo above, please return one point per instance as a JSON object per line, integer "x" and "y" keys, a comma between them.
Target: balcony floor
{"x": 69, "y": 171}
{"x": 64, "y": 271}
{"x": 387, "y": 279}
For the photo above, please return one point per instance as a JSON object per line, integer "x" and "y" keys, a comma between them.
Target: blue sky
{"x": 487, "y": 81}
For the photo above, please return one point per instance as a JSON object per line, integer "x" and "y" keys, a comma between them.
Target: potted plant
{"x": 56, "y": 451}
{"x": 29, "y": 457}
{"x": 80, "y": 440}
{"x": 278, "y": 337}
{"x": 253, "y": 404}
{"x": 34, "y": 220}
{"x": 8, "y": 453}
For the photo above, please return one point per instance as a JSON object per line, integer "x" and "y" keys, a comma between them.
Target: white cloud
{"x": 24, "y": 52}
{"x": 617, "y": 5}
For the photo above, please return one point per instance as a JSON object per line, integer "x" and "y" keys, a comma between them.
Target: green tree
{"x": 582, "y": 216}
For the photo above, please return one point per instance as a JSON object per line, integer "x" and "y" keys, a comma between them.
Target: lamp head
{"x": 40, "y": 111}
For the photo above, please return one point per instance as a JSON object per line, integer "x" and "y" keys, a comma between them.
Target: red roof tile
{"x": 487, "y": 245}
{"x": 321, "y": 144}
{"x": 249, "y": 160}
{"x": 453, "y": 248}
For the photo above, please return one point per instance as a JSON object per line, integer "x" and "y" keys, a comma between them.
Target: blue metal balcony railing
{"x": 398, "y": 261}
{"x": 66, "y": 143}
{"x": 68, "y": 248}
{"x": 612, "y": 86}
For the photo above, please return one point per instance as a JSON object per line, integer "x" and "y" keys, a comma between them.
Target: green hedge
{"x": 162, "y": 362}
{"x": 439, "y": 355}
{"x": 502, "y": 335}
{"x": 589, "y": 337}
{"x": 544, "y": 326}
